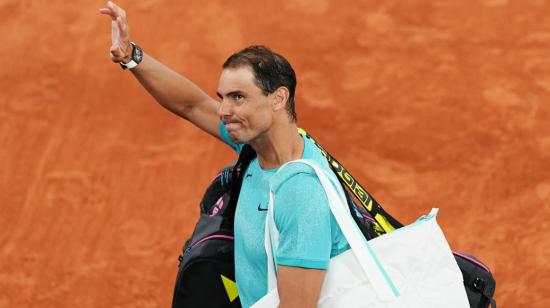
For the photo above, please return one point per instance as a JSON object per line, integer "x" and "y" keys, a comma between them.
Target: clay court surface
{"x": 440, "y": 103}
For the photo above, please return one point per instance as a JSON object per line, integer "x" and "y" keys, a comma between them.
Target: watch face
{"x": 138, "y": 54}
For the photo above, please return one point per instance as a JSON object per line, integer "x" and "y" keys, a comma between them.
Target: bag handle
{"x": 366, "y": 256}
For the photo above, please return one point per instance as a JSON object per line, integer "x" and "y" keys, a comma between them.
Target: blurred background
{"x": 429, "y": 103}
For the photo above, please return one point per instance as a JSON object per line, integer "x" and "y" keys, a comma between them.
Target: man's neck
{"x": 279, "y": 146}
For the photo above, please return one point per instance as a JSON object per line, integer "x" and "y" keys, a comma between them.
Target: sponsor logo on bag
{"x": 230, "y": 287}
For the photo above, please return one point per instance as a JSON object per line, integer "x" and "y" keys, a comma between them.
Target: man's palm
{"x": 120, "y": 49}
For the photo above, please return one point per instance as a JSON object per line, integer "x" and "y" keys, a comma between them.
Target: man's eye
{"x": 238, "y": 97}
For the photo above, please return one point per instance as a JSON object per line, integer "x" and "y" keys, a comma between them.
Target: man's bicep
{"x": 299, "y": 287}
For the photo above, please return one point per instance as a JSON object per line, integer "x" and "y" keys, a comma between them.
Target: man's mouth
{"x": 232, "y": 126}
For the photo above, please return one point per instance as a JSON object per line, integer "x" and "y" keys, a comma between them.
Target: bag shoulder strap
{"x": 246, "y": 156}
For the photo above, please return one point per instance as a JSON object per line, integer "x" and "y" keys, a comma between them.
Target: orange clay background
{"x": 429, "y": 103}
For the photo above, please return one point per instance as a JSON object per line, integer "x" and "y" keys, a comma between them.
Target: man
{"x": 256, "y": 107}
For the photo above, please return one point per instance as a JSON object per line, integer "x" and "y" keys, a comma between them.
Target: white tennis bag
{"x": 410, "y": 267}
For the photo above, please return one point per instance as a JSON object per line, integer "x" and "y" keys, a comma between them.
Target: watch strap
{"x": 137, "y": 56}
{"x": 128, "y": 65}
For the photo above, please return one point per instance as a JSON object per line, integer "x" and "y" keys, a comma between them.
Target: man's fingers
{"x": 105, "y": 10}
{"x": 121, "y": 52}
{"x": 117, "y": 9}
{"x": 123, "y": 28}
{"x": 108, "y": 11}
{"x": 113, "y": 10}
{"x": 116, "y": 53}
{"x": 119, "y": 32}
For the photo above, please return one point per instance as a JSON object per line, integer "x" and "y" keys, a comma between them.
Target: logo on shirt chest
{"x": 260, "y": 208}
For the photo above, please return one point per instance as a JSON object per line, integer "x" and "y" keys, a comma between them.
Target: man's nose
{"x": 225, "y": 109}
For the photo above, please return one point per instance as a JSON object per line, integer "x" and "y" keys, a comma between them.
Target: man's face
{"x": 244, "y": 109}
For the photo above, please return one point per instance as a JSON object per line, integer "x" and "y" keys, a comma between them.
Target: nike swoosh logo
{"x": 260, "y": 207}
{"x": 249, "y": 174}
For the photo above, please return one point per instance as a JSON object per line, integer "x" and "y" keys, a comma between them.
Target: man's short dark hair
{"x": 270, "y": 69}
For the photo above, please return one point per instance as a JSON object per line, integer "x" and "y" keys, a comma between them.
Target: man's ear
{"x": 280, "y": 98}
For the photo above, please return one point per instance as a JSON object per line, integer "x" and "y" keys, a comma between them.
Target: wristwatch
{"x": 137, "y": 56}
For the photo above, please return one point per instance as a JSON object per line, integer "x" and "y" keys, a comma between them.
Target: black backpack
{"x": 478, "y": 280}
{"x": 206, "y": 274}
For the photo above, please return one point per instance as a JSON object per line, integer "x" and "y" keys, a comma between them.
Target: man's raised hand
{"x": 121, "y": 49}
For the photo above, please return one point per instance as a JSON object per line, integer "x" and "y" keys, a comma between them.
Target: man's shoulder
{"x": 313, "y": 152}
{"x": 296, "y": 175}
{"x": 299, "y": 173}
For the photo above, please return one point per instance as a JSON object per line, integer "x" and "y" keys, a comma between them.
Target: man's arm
{"x": 303, "y": 219}
{"x": 172, "y": 90}
{"x": 299, "y": 287}
{"x": 179, "y": 95}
